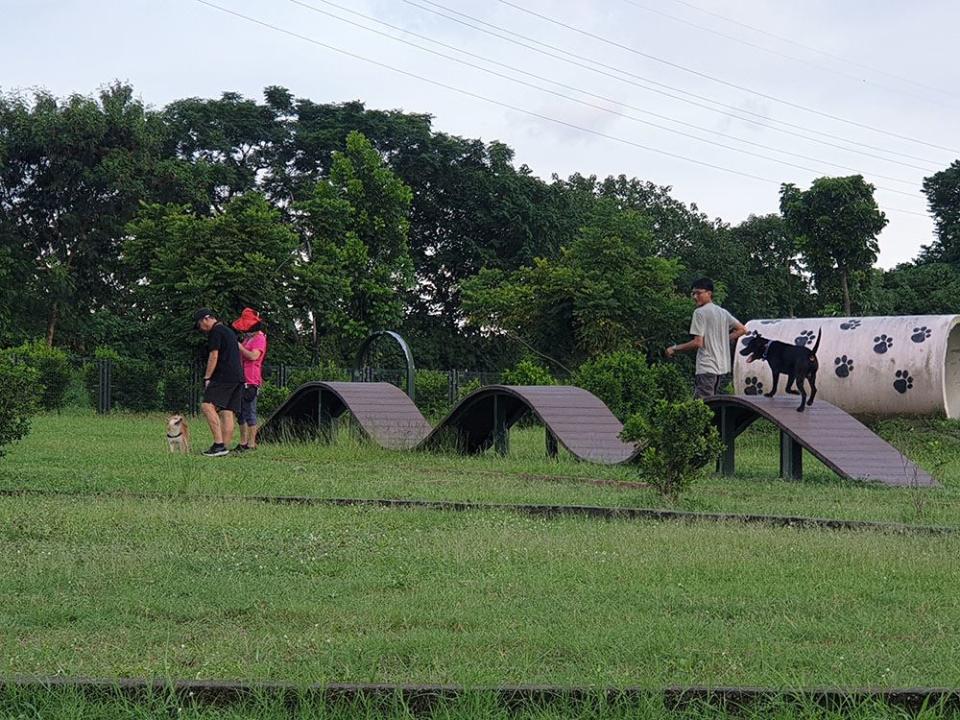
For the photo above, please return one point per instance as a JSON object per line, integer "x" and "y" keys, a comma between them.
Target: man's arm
{"x": 691, "y": 345}
{"x": 212, "y": 359}
{"x": 739, "y": 330}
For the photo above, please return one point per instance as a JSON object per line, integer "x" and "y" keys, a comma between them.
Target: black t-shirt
{"x": 229, "y": 368}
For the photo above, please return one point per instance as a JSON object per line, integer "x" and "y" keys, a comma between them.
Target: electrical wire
{"x": 514, "y": 68}
{"x": 484, "y": 98}
{"x": 721, "y": 81}
{"x": 731, "y": 111}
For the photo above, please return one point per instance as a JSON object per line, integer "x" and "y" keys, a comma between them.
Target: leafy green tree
{"x": 72, "y": 174}
{"x": 835, "y": 223}
{"x": 928, "y": 288}
{"x": 605, "y": 291}
{"x": 355, "y": 227}
{"x": 773, "y": 284}
{"x": 18, "y": 401}
{"x": 177, "y": 261}
{"x": 943, "y": 196}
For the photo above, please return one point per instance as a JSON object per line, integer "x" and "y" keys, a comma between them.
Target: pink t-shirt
{"x": 252, "y": 374}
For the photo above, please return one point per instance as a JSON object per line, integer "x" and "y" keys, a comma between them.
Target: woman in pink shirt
{"x": 253, "y": 349}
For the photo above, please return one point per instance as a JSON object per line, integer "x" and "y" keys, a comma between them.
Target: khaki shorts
{"x": 709, "y": 384}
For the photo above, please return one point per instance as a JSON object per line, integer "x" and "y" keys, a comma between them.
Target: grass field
{"x": 106, "y": 583}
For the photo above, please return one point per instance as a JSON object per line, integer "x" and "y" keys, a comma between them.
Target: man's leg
{"x": 226, "y": 422}
{"x": 213, "y": 420}
{"x": 704, "y": 385}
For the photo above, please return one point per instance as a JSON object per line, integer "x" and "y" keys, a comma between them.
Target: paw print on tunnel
{"x": 903, "y": 382}
{"x": 804, "y": 338}
{"x": 752, "y": 386}
{"x": 920, "y": 334}
{"x": 882, "y": 343}
{"x": 844, "y": 366}
{"x": 851, "y": 324}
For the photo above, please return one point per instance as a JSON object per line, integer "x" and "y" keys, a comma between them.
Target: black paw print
{"x": 852, "y": 324}
{"x": 920, "y": 334}
{"x": 804, "y": 338}
{"x": 753, "y": 386}
{"x": 903, "y": 382}
{"x": 883, "y": 343}
{"x": 844, "y": 366}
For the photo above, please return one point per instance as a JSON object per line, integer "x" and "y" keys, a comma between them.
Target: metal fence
{"x": 141, "y": 386}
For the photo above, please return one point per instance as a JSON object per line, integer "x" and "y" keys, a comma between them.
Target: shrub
{"x": 327, "y": 370}
{"x": 53, "y": 371}
{"x": 432, "y": 388}
{"x": 21, "y": 390}
{"x": 679, "y": 441}
{"x": 527, "y": 372}
{"x": 135, "y": 383}
{"x": 623, "y": 380}
{"x": 177, "y": 386}
{"x": 270, "y": 398}
{"x": 467, "y": 388}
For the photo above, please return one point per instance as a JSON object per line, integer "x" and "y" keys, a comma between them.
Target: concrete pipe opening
{"x": 882, "y": 366}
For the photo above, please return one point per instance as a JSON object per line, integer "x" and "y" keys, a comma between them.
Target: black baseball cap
{"x": 200, "y": 315}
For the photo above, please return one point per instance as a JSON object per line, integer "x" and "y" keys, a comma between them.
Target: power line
{"x": 771, "y": 51}
{"x": 484, "y": 98}
{"x": 712, "y": 78}
{"x": 814, "y": 49}
{"x": 579, "y": 90}
{"x": 730, "y": 110}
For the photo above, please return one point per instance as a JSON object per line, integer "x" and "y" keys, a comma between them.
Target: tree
{"x": 177, "y": 261}
{"x": 355, "y": 227}
{"x": 943, "y": 196}
{"x": 775, "y": 286}
{"x": 72, "y": 174}
{"x": 835, "y": 223}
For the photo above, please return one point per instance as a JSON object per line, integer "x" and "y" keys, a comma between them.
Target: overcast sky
{"x": 886, "y": 64}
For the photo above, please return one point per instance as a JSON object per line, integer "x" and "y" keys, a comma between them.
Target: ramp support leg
{"x": 552, "y": 449}
{"x": 791, "y": 458}
{"x": 324, "y": 420}
{"x": 728, "y": 436}
{"x": 501, "y": 437}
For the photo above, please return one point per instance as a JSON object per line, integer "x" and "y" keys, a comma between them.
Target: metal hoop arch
{"x": 364, "y": 352}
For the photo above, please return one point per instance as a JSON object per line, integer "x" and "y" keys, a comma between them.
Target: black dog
{"x": 796, "y": 362}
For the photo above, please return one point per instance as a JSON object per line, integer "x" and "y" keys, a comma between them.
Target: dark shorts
{"x": 224, "y": 396}
{"x": 248, "y": 408}
{"x": 709, "y": 384}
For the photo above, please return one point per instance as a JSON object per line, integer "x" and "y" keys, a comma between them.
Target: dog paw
{"x": 903, "y": 382}
{"x": 851, "y": 324}
{"x": 882, "y": 343}
{"x": 800, "y": 409}
{"x": 921, "y": 334}
{"x": 752, "y": 386}
{"x": 844, "y": 366}
{"x": 768, "y": 394}
{"x": 804, "y": 338}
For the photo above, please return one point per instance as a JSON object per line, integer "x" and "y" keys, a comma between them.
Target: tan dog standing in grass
{"x": 178, "y": 434}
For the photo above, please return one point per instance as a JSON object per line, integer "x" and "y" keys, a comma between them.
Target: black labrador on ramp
{"x": 796, "y": 362}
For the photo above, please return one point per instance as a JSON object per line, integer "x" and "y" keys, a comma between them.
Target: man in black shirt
{"x": 222, "y": 381}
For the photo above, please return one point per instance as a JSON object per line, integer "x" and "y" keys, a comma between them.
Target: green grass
{"x": 181, "y": 585}
{"x": 82, "y": 452}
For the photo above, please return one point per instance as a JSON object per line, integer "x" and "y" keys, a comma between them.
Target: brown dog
{"x": 178, "y": 434}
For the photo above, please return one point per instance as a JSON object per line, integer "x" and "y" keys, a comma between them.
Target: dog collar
{"x": 174, "y": 437}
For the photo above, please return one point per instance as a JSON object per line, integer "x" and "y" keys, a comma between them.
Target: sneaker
{"x": 216, "y": 450}
{"x": 240, "y": 448}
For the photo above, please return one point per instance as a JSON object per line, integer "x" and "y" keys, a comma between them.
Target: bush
{"x": 623, "y": 380}
{"x": 679, "y": 441}
{"x": 432, "y": 388}
{"x": 53, "y": 371}
{"x": 21, "y": 390}
{"x": 177, "y": 386}
{"x": 328, "y": 370}
{"x": 135, "y": 383}
{"x": 270, "y": 398}
{"x": 528, "y": 372}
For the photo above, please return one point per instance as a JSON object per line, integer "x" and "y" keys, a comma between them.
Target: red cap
{"x": 248, "y": 318}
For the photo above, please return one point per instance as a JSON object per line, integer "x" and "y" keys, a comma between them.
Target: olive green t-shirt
{"x": 714, "y": 324}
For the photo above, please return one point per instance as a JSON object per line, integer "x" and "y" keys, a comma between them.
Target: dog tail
{"x": 817, "y": 343}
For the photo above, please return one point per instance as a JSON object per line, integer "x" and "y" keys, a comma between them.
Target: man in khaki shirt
{"x": 713, "y": 329}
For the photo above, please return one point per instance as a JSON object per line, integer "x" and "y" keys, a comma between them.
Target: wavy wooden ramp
{"x": 837, "y": 439}
{"x": 573, "y": 418}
